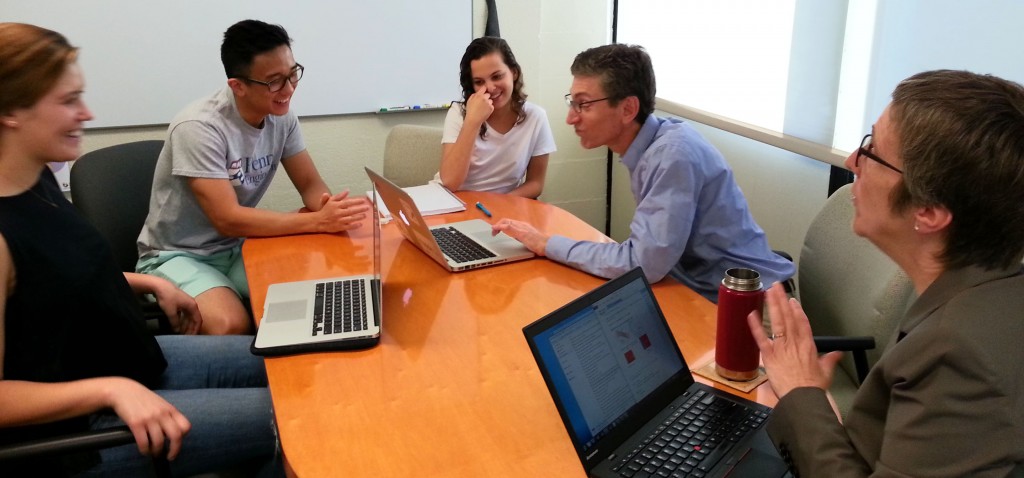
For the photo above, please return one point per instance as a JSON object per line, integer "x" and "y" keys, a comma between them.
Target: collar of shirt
{"x": 946, "y": 287}
{"x": 643, "y": 140}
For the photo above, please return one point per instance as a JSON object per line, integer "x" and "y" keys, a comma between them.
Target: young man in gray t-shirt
{"x": 219, "y": 158}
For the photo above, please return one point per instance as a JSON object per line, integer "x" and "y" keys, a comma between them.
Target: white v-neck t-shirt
{"x": 499, "y": 161}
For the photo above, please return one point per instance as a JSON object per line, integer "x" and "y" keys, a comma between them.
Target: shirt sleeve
{"x": 937, "y": 390}
{"x": 810, "y": 437}
{"x": 452, "y": 124}
{"x": 544, "y": 141}
{"x": 294, "y": 143}
{"x": 197, "y": 151}
{"x": 661, "y": 225}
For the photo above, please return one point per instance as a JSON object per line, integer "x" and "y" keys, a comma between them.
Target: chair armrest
{"x": 831, "y": 343}
{"x": 156, "y": 321}
{"x": 70, "y": 443}
{"x": 857, "y": 345}
{"x": 789, "y": 285}
{"x": 785, "y": 255}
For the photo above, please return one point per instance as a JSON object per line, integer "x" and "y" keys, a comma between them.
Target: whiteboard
{"x": 145, "y": 60}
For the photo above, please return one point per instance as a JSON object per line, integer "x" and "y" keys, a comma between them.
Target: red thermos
{"x": 736, "y": 353}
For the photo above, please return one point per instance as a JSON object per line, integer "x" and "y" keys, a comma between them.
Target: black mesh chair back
{"x": 111, "y": 187}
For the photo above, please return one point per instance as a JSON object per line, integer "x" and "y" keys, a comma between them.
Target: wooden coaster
{"x": 708, "y": 371}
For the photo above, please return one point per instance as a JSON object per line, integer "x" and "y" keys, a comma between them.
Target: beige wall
{"x": 544, "y": 34}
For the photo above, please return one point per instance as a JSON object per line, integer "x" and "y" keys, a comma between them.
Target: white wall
{"x": 784, "y": 190}
{"x": 545, "y": 36}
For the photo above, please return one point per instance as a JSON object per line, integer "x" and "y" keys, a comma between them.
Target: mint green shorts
{"x": 196, "y": 274}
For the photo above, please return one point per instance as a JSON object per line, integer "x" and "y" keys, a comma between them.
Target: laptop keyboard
{"x": 458, "y": 246}
{"x": 693, "y": 439}
{"x": 340, "y": 307}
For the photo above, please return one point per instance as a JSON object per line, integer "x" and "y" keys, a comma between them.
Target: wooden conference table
{"x": 452, "y": 389}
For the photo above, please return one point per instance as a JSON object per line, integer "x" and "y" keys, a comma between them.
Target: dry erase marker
{"x": 482, "y": 208}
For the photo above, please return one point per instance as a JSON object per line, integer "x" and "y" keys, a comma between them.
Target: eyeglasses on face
{"x": 276, "y": 85}
{"x": 865, "y": 150}
{"x": 577, "y": 106}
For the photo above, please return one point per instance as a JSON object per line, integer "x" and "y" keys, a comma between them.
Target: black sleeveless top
{"x": 71, "y": 314}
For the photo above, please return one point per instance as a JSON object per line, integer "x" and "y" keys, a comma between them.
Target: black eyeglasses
{"x": 577, "y": 106}
{"x": 865, "y": 144}
{"x": 278, "y": 84}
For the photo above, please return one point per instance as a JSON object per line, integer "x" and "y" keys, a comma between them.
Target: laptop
{"x": 628, "y": 400}
{"x": 339, "y": 313}
{"x": 457, "y": 246}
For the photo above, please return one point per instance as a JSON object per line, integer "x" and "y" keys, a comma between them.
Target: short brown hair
{"x": 32, "y": 59}
{"x": 624, "y": 70}
{"x": 961, "y": 137}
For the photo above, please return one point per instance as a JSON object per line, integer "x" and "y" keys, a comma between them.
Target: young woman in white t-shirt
{"x": 494, "y": 141}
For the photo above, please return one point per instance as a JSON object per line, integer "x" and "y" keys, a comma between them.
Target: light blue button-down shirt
{"x": 691, "y": 220}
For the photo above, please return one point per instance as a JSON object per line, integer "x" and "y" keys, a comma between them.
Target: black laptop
{"x": 628, "y": 399}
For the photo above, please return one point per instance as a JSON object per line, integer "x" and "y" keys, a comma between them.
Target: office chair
{"x": 111, "y": 188}
{"x": 412, "y": 154}
{"x": 55, "y": 447}
{"x": 853, "y": 294}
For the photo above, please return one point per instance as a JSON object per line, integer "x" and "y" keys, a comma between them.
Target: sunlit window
{"x": 729, "y": 57}
{"x": 817, "y": 70}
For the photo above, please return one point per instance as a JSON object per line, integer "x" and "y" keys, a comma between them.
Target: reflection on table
{"x": 452, "y": 389}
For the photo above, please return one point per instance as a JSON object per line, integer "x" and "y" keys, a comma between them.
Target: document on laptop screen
{"x": 609, "y": 357}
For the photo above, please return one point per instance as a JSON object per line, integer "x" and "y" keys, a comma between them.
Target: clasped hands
{"x": 340, "y": 212}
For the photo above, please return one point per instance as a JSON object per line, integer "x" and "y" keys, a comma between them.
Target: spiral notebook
{"x": 430, "y": 199}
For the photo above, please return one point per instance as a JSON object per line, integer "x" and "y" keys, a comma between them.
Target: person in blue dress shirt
{"x": 691, "y": 221}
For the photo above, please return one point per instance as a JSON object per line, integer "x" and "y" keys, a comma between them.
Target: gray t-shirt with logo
{"x": 209, "y": 139}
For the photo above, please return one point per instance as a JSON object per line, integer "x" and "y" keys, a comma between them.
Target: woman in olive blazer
{"x": 940, "y": 189}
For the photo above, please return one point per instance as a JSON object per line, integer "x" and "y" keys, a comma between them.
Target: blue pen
{"x": 482, "y": 208}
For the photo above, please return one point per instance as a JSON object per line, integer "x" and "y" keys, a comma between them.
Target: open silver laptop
{"x": 338, "y": 313}
{"x": 457, "y": 246}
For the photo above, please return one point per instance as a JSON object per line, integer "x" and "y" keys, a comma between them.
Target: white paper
{"x": 431, "y": 198}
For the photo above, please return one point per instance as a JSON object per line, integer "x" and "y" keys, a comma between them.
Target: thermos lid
{"x": 742, "y": 279}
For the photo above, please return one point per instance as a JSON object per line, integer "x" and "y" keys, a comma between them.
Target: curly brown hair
{"x": 480, "y": 48}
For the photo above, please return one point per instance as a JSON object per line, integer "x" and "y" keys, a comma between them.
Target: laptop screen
{"x": 378, "y": 286}
{"x": 375, "y": 217}
{"x": 604, "y": 354}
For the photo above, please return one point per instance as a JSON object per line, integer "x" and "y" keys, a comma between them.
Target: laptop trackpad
{"x": 284, "y": 311}
{"x": 758, "y": 463}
